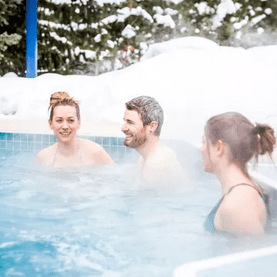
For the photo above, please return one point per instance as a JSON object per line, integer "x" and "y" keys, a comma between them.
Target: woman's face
{"x": 65, "y": 123}
{"x": 206, "y": 155}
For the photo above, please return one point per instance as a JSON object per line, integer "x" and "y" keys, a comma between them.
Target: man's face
{"x": 133, "y": 129}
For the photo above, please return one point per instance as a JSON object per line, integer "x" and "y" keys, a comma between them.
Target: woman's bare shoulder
{"x": 96, "y": 151}
{"x": 89, "y": 145}
{"x": 45, "y": 156}
{"x": 242, "y": 194}
{"x": 242, "y": 208}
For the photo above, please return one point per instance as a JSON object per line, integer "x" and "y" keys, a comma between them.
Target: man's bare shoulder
{"x": 167, "y": 149}
{"x": 45, "y": 156}
{"x": 164, "y": 153}
{"x": 164, "y": 161}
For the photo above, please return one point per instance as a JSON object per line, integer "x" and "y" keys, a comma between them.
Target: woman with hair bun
{"x": 69, "y": 151}
{"x": 230, "y": 141}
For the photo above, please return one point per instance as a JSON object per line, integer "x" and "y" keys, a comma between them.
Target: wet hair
{"x": 149, "y": 110}
{"x": 244, "y": 139}
{"x": 62, "y": 99}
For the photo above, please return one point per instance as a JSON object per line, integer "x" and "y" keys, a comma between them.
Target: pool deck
{"x": 38, "y": 126}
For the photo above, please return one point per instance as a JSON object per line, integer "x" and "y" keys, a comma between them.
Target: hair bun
{"x": 59, "y": 97}
{"x": 259, "y": 129}
{"x": 267, "y": 139}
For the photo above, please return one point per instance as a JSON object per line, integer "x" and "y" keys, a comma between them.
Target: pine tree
{"x": 99, "y": 37}
{"x": 240, "y": 18}
{"x": 96, "y": 36}
{"x": 71, "y": 35}
{"x": 12, "y": 36}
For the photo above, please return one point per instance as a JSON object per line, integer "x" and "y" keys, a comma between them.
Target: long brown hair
{"x": 245, "y": 140}
{"x": 63, "y": 99}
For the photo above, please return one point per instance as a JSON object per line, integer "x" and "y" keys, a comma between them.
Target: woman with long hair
{"x": 69, "y": 151}
{"x": 230, "y": 141}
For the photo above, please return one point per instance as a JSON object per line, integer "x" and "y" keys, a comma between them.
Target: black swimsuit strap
{"x": 245, "y": 184}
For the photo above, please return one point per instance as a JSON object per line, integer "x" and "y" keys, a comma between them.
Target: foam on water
{"x": 105, "y": 221}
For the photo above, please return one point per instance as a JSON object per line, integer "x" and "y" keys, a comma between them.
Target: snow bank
{"x": 192, "y": 78}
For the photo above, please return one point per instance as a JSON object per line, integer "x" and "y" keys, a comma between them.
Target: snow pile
{"x": 165, "y": 20}
{"x": 224, "y": 8}
{"x": 126, "y": 12}
{"x": 192, "y": 78}
{"x": 128, "y": 32}
{"x": 203, "y": 8}
{"x": 198, "y": 43}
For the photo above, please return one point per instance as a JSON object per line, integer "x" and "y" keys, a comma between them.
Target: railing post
{"x": 31, "y": 39}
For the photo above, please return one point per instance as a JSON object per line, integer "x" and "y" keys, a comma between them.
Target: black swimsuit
{"x": 209, "y": 223}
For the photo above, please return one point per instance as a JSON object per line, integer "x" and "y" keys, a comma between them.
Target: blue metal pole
{"x": 31, "y": 39}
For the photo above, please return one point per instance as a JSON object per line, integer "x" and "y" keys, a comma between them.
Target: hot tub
{"x": 106, "y": 222}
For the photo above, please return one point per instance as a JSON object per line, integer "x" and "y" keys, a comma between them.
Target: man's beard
{"x": 137, "y": 140}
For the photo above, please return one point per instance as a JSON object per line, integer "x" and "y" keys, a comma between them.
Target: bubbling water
{"x": 105, "y": 221}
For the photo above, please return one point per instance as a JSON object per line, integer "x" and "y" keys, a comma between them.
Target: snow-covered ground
{"x": 193, "y": 79}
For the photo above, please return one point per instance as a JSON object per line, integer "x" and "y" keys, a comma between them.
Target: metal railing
{"x": 191, "y": 269}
